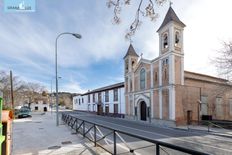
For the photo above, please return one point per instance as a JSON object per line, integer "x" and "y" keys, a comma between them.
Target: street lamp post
{"x": 51, "y": 97}
{"x": 57, "y": 99}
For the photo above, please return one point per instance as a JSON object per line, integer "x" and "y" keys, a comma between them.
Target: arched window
{"x": 133, "y": 63}
{"x": 142, "y": 78}
{"x": 165, "y": 40}
{"x": 126, "y": 65}
{"x": 177, "y": 38}
{"x": 131, "y": 86}
{"x": 165, "y": 74}
{"x": 156, "y": 76}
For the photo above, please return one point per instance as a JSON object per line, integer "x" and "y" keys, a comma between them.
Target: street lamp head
{"x": 76, "y": 35}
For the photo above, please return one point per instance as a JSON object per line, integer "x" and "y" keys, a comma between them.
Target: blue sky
{"x": 28, "y": 40}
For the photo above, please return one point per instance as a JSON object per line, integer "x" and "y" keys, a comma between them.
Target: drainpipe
{"x": 149, "y": 110}
{"x": 199, "y": 104}
{"x": 120, "y": 102}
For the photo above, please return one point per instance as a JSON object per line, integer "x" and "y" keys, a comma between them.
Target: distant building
{"x": 107, "y": 100}
{"x": 41, "y": 104}
{"x": 65, "y": 99}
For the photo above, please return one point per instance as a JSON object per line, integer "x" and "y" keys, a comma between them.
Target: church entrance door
{"x": 143, "y": 111}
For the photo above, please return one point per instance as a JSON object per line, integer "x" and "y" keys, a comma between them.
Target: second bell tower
{"x": 171, "y": 47}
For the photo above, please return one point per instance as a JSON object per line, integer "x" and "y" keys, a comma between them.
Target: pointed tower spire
{"x": 171, "y": 16}
{"x": 131, "y": 52}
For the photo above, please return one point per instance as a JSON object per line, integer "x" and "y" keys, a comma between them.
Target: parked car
{"x": 22, "y": 112}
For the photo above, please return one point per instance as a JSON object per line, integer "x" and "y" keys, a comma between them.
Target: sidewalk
{"x": 40, "y": 135}
{"x": 211, "y": 130}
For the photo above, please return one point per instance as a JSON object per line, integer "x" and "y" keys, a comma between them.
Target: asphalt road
{"x": 199, "y": 141}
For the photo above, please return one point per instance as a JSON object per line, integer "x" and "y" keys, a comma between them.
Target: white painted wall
{"x": 84, "y": 106}
{"x": 40, "y": 106}
{"x": 79, "y": 105}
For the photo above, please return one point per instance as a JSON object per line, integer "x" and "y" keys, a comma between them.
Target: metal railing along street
{"x": 85, "y": 127}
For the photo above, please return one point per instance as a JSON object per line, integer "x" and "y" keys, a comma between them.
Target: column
{"x": 160, "y": 104}
{"x": 171, "y": 69}
{"x": 172, "y": 106}
{"x": 182, "y": 70}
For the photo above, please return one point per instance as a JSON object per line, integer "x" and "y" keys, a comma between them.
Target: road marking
{"x": 107, "y": 139}
{"x": 219, "y": 138}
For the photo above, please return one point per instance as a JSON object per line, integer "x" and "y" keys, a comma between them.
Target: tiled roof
{"x": 204, "y": 77}
{"x": 171, "y": 16}
{"x": 117, "y": 85}
{"x": 131, "y": 52}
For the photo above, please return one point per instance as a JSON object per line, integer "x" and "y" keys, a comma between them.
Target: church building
{"x": 160, "y": 91}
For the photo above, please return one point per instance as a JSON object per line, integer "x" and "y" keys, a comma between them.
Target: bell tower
{"x": 171, "y": 63}
{"x": 171, "y": 47}
{"x": 130, "y": 61}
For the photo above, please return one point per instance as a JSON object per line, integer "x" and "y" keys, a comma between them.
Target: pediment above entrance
{"x": 144, "y": 65}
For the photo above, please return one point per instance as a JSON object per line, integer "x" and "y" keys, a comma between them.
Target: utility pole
{"x": 51, "y": 95}
{"x": 12, "y": 91}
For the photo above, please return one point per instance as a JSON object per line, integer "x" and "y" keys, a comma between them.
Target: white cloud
{"x": 73, "y": 87}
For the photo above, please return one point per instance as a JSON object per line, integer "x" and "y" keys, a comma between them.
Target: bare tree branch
{"x": 223, "y": 61}
{"x": 148, "y": 11}
{"x": 21, "y": 89}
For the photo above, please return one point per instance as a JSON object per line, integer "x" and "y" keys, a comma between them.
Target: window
{"x": 79, "y": 101}
{"x": 93, "y": 97}
{"x": 156, "y": 76}
{"x": 165, "y": 40}
{"x": 107, "y": 96}
{"x": 89, "y": 98}
{"x": 126, "y": 65}
{"x": 165, "y": 74}
{"x": 165, "y": 62}
{"x": 133, "y": 63}
{"x": 131, "y": 86}
{"x": 204, "y": 105}
{"x": 94, "y": 107}
{"x": 219, "y": 110}
{"x": 230, "y": 103}
{"x": 116, "y": 108}
{"x": 142, "y": 78}
{"x": 115, "y": 94}
{"x": 99, "y": 98}
{"x": 82, "y": 100}
{"x": 36, "y": 108}
{"x": 107, "y": 108}
{"x": 177, "y": 38}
